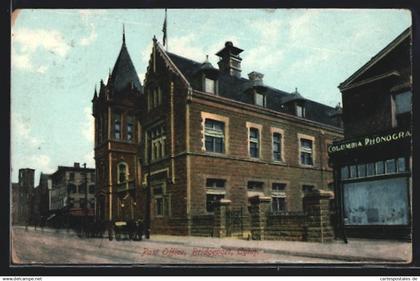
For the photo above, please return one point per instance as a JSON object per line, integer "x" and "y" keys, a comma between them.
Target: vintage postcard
{"x": 211, "y": 136}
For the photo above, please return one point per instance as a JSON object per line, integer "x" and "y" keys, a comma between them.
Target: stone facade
{"x": 178, "y": 169}
{"x": 22, "y": 197}
{"x": 70, "y": 188}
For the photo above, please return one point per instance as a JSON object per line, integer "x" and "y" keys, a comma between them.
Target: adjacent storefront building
{"x": 372, "y": 165}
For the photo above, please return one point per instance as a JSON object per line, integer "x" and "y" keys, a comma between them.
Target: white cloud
{"x": 184, "y": 45}
{"x": 268, "y": 30}
{"x": 21, "y": 131}
{"x": 85, "y": 41}
{"x": 42, "y": 69}
{"x": 42, "y": 163}
{"x": 302, "y": 27}
{"x": 311, "y": 62}
{"x": 88, "y": 129}
{"x": 32, "y": 39}
{"x": 25, "y": 42}
{"x": 263, "y": 57}
{"x": 21, "y": 61}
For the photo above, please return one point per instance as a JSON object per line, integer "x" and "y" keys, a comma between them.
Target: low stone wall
{"x": 170, "y": 226}
{"x": 202, "y": 225}
{"x": 314, "y": 224}
{"x": 285, "y": 226}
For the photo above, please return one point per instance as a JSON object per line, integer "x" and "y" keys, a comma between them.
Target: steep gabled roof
{"x": 235, "y": 87}
{"x": 124, "y": 74}
{"x": 375, "y": 59}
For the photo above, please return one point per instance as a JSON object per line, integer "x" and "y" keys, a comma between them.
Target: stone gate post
{"x": 316, "y": 206}
{"x": 258, "y": 210}
{"x": 219, "y": 229}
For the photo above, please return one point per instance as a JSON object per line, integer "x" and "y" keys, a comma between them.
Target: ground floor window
{"x": 376, "y": 202}
{"x": 158, "y": 194}
{"x": 211, "y": 201}
{"x": 278, "y": 204}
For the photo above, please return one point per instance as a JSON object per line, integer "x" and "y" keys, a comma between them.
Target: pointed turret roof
{"x": 124, "y": 74}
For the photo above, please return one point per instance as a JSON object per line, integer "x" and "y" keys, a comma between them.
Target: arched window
{"x": 122, "y": 172}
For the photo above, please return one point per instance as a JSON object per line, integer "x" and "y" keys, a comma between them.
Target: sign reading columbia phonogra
{"x": 369, "y": 141}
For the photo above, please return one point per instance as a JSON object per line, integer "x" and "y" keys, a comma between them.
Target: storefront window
{"x": 401, "y": 165}
{"x": 377, "y": 202}
{"x": 345, "y": 172}
{"x": 380, "y": 169}
{"x": 370, "y": 169}
{"x": 390, "y": 166}
{"x": 353, "y": 171}
{"x": 361, "y": 169}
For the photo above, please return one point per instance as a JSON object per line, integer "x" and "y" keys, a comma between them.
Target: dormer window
{"x": 209, "y": 85}
{"x": 300, "y": 110}
{"x": 259, "y": 99}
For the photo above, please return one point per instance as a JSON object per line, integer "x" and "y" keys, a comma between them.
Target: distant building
{"x": 21, "y": 197}
{"x": 14, "y": 204}
{"x": 44, "y": 189}
{"x": 195, "y": 134}
{"x": 373, "y": 164}
{"x": 72, "y": 195}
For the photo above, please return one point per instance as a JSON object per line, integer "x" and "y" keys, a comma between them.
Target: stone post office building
{"x": 200, "y": 134}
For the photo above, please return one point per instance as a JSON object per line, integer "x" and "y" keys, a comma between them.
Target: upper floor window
{"x": 154, "y": 98}
{"x": 82, "y": 188}
{"x": 307, "y": 188}
{"x": 209, "y": 85}
{"x": 277, "y": 138}
{"x": 214, "y": 136}
{"x": 157, "y": 142}
{"x": 254, "y": 142}
{"x": 259, "y": 99}
{"x": 255, "y": 185}
{"x": 71, "y": 188}
{"x": 117, "y": 126}
{"x": 71, "y": 176}
{"x": 403, "y": 108}
{"x": 122, "y": 172}
{"x": 278, "y": 187}
{"x": 91, "y": 189}
{"x": 130, "y": 128}
{"x": 215, "y": 183}
{"x": 300, "y": 110}
{"x": 306, "y": 152}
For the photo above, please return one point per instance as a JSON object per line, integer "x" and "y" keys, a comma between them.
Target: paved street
{"x": 50, "y": 247}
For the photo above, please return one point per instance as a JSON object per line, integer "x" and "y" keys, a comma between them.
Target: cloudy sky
{"x": 58, "y": 56}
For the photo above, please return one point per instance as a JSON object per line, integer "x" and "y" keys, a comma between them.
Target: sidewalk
{"x": 356, "y": 250}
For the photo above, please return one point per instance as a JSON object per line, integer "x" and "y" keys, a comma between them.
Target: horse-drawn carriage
{"x": 131, "y": 230}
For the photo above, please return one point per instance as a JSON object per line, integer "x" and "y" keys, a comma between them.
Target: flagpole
{"x": 164, "y": 30}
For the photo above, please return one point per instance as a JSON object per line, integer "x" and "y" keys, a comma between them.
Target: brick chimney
{"x": 230, "y": 61}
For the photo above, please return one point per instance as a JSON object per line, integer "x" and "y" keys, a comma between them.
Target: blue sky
{"x": 58, "y": 56}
